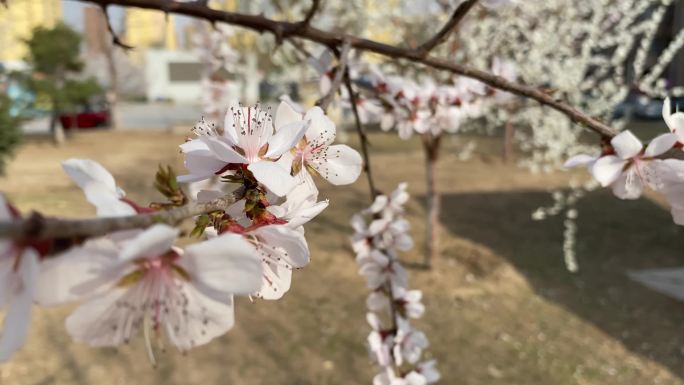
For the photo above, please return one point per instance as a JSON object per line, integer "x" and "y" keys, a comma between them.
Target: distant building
{"x": 174, "y": 76}
{"x": 150, "y": 29}
{"x": 96, "y": 37}
{"x": 19, "y": 19}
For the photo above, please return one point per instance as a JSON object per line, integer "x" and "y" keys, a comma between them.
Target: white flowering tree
{"x": 253, "y": 175}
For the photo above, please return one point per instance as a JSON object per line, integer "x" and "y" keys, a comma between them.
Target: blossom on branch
{"x": 397, "y": 350}
{"x": 147, "y": 283}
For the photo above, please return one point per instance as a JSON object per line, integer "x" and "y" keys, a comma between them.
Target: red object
{"x": 85, "y": 119}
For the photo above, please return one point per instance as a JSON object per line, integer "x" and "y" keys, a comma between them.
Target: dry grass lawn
{"x": 501, "y": 308}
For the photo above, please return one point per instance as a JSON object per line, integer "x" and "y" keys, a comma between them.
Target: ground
{"x": 501, "y": 307}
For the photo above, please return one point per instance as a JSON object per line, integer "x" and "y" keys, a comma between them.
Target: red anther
{"x": 381, "y": 87}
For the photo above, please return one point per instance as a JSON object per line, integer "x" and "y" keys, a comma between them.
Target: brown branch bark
{"x": 115, "y": 38}
{"x": 37, "y": 226}
{"x": 450, "y": 26}
{"x": 363, "y": 138}
{"x": 284, "y": 29}
{"x": 312, "y": 11}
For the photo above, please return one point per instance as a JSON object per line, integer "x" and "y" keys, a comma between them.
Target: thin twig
{"x": 115, "y": 38}
{"x": 37, "y": 226}
{"x": 309, "y": 15}
{"x": 450, "y": 26}
{"x": 343, "y": 58}
{"x": 283, "y": 29}
{"x": 363, "y": 137}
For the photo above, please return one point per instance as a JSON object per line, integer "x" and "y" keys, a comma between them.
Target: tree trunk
{"x": 56, "y": 129}
{"x": 113, "y": 92}
{"x": 431, "y": 148}
{"x": 509, "y": 129}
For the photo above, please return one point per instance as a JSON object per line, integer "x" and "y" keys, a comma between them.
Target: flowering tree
{"x": 253, "y": 188}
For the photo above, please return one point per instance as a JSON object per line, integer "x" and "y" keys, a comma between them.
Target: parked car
{"x": 87, "y": 116}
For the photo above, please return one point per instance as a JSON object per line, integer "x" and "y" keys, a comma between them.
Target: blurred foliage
{"x": 10, "y": 132}
{"x": 54, "y": 57}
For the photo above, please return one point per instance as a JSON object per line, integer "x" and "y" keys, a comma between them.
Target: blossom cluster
{"x": 135, "y": 281}
{"x": 628, "y": 167}
{"x": 396, "y": 347}
{"x": 218, "y": 59}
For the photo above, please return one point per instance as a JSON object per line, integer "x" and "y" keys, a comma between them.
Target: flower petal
{"x": 151, "y": 243}
{"x": 321, "y": 131}
{"x": 286, "y": 138}
{"x": 86, "y": 171}
{"x": 607, "y": 169}
{"x": 106, "y": 203}
{"x": 18, "y": 317}
{"x": 626, "y": 145}
{"x": 286, "y": 114}
{"x": 223, "y": 266}
{"x": 660, "y": 144}
{"x": 283, "y": 244}
{"x": 230, "y": 122}
{"x": 276, "y": 281}
{"x": 338, "y": 164}
{"x": 223, "y": 150}
{"x": 80, "y": 272}
{"x": 579, "y": 160}
{"x": 273, "y": 176}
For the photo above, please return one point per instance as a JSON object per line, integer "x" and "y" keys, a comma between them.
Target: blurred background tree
{"x": 54, "y": 55}
{"x": 9, "y": 131}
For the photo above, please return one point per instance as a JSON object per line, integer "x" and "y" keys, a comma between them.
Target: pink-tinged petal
{"x": 102, "y": 322}
{"x": 660, "y": 144}
{"x": 286, "y": 138}
{"x": 202, "y": 321}
{"x": 273, "y": 176}
{"x": 85, "y": 171}
{"x": 626, "y": 145}
{"x": 289, "y": 245}
{"x": 286, "y": 114}
{"x": 106, "y": 203}
{"x": 18, "y": 316}
{"x": 607, "y": 169}
{"x": 321, "y": 131}
{"x": 223, "y": 266}
{"x": 628, "y": 187}
{"x": 78, "y": 273}
{"x": 672, "y": 170}
{"x": 579, "y": 160}
{"x": 338, "y": 164}
{"x": 223, "y": 150}
{"x": 276, "y": 281}
{"x": 151, "y": 243}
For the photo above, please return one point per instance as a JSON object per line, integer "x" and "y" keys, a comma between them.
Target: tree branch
{"x": 335, "y": 40}
{"x": 37, "y": 226}
{"x": 363, "y": 138}
{"x": 450, "y": 26}
{"x": 343, "y": 58}
{"x": 115, "y": 38}
{"x": 309, "y": 15}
